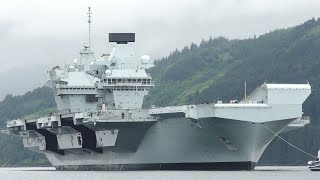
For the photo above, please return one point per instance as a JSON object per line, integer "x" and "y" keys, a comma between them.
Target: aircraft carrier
{"x": 101, "y": 125}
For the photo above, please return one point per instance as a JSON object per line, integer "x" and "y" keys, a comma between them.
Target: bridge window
{"x": 122, "y": 115}
{"x": 144, "y": 81}
{"x": 79, "y": 140}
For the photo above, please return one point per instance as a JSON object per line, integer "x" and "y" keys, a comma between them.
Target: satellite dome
{"x": 108, "y": 72}
{"x": 86, "y": 45}
{"x": 71, "y": 67}
{"x": 75, "y": 61}
{"x": 145, "y": 59}
{"x": 92, "y": 63}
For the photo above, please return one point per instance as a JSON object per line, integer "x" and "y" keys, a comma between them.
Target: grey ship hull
{"x": 177, "y": 144}
{"x": 223, "y": 166}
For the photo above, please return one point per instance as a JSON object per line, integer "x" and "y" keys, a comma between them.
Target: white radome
{"x": 145, "y": 59}
{"x": 107, "y": 72}
{"x": 86, "y": 45}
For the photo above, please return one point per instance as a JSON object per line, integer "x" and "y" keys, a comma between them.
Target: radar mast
{"x": 89, "y": 22}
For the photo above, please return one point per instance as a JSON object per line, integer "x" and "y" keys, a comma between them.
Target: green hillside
{"x": 216, "y": 68}
{"x": 37, "y": 102}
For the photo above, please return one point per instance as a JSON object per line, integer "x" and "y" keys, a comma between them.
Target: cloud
{"x": 50, "y": 32}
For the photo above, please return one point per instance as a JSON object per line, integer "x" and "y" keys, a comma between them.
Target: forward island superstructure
{"x": 101, "y": 125}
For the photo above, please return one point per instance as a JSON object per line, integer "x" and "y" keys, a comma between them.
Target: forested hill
{"x": 216, "y": 68}
{"x": 39, "y": 101}
{"x": 32, "y": 102}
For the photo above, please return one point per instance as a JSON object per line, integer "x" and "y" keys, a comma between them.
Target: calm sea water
{"x": 261, "y": 173}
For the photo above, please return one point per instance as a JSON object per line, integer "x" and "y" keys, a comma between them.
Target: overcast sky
{"x": 34, "y": 32}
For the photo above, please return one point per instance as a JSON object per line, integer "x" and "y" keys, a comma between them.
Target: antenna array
{"x": 89, "y": 22}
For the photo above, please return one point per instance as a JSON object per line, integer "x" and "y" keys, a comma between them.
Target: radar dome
{"x": 145, "y": 59}
{"x": 108, "y": 72}
{"x": 71, "y": 67}
{"x": 92, "y": 63}
{"x": 75, "y": 61}
{"x": 86, "y": 45}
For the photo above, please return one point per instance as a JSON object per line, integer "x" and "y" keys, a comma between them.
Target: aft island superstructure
{"x": 101, "y": 125}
